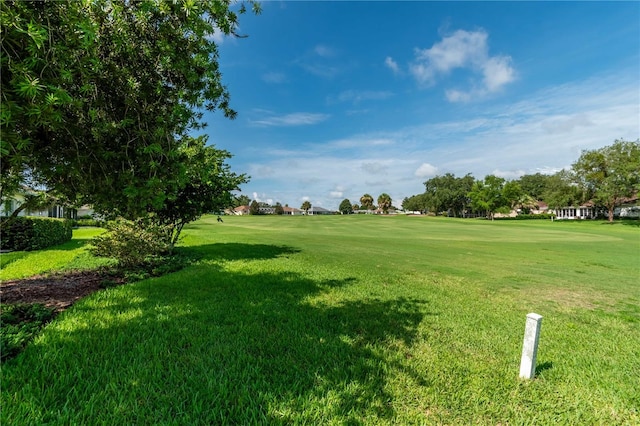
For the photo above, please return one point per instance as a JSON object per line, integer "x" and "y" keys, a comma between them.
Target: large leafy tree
{"x": 487, "y": 195}
{"x": 384, "y": 202}
{"x": 345, "y": 207}
{"x": 534, "y": 185}
{"x": 209, "y": 187}
{"x": 241, "y": 200}
{"x": 448, "y": 193}
{"x": 415, "y": 203}
{"x": 254, "y": 208}
{"x": 98, "y": 96}
{"x": 609, "y": 175}
{"x": 512, "y": 194}
{"x": 561, "y": 191}
{"x": 306, "y": 206}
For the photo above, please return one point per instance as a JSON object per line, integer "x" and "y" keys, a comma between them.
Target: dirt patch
{"x": 56, "y": 291}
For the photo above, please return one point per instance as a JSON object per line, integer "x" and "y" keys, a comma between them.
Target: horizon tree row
{"x": 607, "y": 177}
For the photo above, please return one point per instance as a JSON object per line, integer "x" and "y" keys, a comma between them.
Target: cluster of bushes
{"x": 546, "y": 216}
{"x": 132, "y": 243}
{"x": 33, "y": 233}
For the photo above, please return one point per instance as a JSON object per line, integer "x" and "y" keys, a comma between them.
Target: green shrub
{"x": 34, "y": 233}
{"x": 541, "y": 216}
{"x": 19, "y": 323}
{"x": 132, "y": 242}
{"x": 88, "y": 222}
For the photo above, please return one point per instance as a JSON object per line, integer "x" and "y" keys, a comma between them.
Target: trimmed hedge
{"x": 541, "y": 216}
{"x": 33, "y": 233}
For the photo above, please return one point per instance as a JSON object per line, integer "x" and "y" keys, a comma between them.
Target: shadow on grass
{"x": 548, "y": 365}
{"x": 209, "y": 346}
{"x": 237, "y": 251}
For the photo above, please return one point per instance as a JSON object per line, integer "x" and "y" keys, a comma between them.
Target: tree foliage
{"x": 487, "y": 195}
{"x": 99, "y": 96}
{"x": 534, "y": 185}
{"x": 561, "y": 191}
{"x": 241, "y": 200}
{"x": 254, "y": 208}
{"x": 208, "y": 188}
{"x": 415, "y": 203}
{"x": 609, "y": 175}
{"x": 448, "y": 193}
{"x": 366, "y": 201}
{"x": 345, "y": 207}
{"x": 384, "y": 202}
{"x": 306, "y": 206}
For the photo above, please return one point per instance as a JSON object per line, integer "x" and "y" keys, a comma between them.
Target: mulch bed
{"x": 55, "y": 291}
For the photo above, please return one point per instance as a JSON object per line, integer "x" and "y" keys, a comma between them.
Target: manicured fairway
{"x": 352, "y": 320}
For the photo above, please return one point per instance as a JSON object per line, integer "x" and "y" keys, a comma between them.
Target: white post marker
{"x": 530, "y": 346}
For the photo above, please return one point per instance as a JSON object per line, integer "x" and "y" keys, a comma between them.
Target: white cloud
{"x": 392, "y": 65}
{"x": 360, "y": 142}
{"x": 463, "y": 50}
{"x": 565, "y": 123}
{"x": 357, "y": 96}
{"x": 508, "y": 174}
{"x": 324, "y": 51}
{"x": 274, "y": 77}
{"x": 497, "y": 72}
{"x": 457, "y": 96}
{"x": 459, "y": 50}
{"x": 375, "y": 167}
{"x": 336, "y": 194}
{"x": 426, "y": 170}
{"x": 293, "y": 119}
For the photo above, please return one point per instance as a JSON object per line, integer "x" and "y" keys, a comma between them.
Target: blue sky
{"x": 339, "y": 99}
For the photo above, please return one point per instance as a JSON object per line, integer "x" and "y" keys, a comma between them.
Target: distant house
{"x": 292, "y": 211}
{"x": 267, "y": 210}
{"x": 241, "y": 210}
{"x": 13, "y": 203}
{"x": 584, "y": 211}
{"x": 541, "y": 208}
{"x": 628, "y": 208}
{"x": 318, "y": 211}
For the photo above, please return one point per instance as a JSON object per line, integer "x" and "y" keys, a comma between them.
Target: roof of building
{"x": 290, "y": 209}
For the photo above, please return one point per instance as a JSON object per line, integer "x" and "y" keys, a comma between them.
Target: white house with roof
{"x": 292, "y": 211}
{"x": 313, "y": 211}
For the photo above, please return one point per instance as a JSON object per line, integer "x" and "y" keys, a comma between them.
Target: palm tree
{"x": 384, "y": 202}
{"x": 526, "y": 202}
{"x": 366, "y": 201}
{"x": 306, "y": 206}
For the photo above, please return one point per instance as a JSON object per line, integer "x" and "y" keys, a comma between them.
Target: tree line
{"x": 606, "y": 177}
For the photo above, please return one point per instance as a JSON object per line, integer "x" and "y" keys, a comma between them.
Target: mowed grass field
{"x": 352, "y": 320}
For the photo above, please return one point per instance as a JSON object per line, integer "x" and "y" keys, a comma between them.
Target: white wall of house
{"x": 570, "y": 213}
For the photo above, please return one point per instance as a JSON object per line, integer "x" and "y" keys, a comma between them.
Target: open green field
{"x": 351, "y": 320}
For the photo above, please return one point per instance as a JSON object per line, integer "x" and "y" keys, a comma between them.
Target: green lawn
{"x": 71, "y": 255}
{"x": 351, "y": 320}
